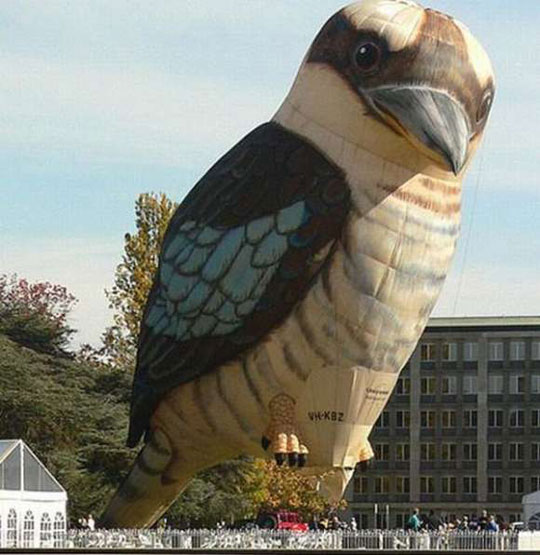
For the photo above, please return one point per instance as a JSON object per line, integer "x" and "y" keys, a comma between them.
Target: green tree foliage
{"x": 72, "y": 415}
{"x": 35, "y": 314}
{"x": 133, "y": 277}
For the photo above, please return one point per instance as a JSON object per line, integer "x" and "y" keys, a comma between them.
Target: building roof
{"x": 484, "y": 323}
{"x": 21, "y": 470}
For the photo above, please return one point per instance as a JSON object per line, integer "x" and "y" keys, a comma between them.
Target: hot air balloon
{"x": 297, "y": 276}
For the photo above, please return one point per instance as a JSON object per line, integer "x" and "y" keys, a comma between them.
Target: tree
{"x": 288, "y": 489}
{"x": 35, "y": 314}
{"x": 134, "y": 275}
{"x": 72, "y": 415}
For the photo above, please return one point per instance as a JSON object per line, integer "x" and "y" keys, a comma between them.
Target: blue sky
{"x": 104, "y": 100}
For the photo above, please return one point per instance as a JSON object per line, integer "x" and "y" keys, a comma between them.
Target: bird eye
{"x": 484, "y": 107}
{"x": 367, "y": 56}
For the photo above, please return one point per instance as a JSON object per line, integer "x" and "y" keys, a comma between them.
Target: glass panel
{"x": 10, "y": 471}
{"x": 36, "y": 478}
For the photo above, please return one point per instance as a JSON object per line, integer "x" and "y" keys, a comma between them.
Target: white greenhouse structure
{"x": 32, "y": 502}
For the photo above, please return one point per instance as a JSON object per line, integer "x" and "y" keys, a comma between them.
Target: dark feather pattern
{"x": 240, "y": 252}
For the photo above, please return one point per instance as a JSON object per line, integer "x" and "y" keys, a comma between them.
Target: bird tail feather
{"x": 146, "y": 493}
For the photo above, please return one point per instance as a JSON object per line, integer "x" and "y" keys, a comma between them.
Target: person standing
{"x": 414, "y": 523}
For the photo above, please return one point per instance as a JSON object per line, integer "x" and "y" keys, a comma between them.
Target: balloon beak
{"x": 429, "y": 116}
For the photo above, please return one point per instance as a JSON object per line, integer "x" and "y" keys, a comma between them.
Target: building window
{"x": 428, "y": 352}
{"x": 449, "y": 351}
{"x": 517, "y": 418}
{"x": 448, "y": 418}
{"x": 517, "y": 350}
{"x": 403, "y": 484}
{"x": 470, "y": 351}
{"x": 360, "y": 485}
{"x": 495, "y": 350}
{"x": 535, "y": 483}
{"x": 469, "y": 484}
{"x": 516, "y": 451}
{"x": 448, "y": 451}
{"x": 495, "y": 418}
{"x": 403, "y": 419}
{"x": 382, "y": 484}
{"x": 514, "y": 517}
{"x": 470, "y": 386}
{"x": 427, "y": 386}
{"x": 535, "y": 418}
{"x": 535, "y": 383}
{"x": 517, "y": 484}
{"x": 384, "y": 420}
{"x": 401, "y": 520}
{"x": 495, "y": 451}
{"x": 11, "y": 528}
{"x": 494, "y": 484}
{"x": 517, "y": 385}
{"x": 427, "y": 451}
{"x": 535, "y": 350}
{"x": 427, "y": 419}
{"x": 363, "y": 520}
{"x": 449, "y": 484}
{"x": 495, "y": 384}
{"x": 403, "y": 386}
{"x": 535, "y": 451}
{"x": 45, "y": 530}
{"x": 59, "y": 530}
{"x": 28, "y": 529}
{"x": 470, "y": 418}
{"x": 449, "y": 385}
{"x": 382, "y": 451}
{"x": 403, "y": 452}
{"x": 427, "y": 484}
{"x": 470, "y": 451}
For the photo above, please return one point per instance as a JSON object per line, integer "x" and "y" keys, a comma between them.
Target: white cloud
{"x": 107, "y": 114}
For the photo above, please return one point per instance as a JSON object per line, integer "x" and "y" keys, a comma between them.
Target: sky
{"x": 103, "y": 100}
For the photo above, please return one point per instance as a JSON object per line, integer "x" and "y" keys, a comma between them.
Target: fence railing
{"x": 275, "y": 539}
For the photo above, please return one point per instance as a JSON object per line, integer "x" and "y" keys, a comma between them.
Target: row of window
{"x": 449, "y": 351}
{"x": 469, "y": 384}
{"x": 515, "y": 418}
{"x": 48, "y": 529}
{"x": 448, "y": 484}
{"x": 448, "y": 451}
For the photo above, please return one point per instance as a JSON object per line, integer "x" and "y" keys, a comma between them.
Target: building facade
{"x": 461, "y": 432}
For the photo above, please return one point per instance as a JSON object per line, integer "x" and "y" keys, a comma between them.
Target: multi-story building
{"x": 461, "y": 432}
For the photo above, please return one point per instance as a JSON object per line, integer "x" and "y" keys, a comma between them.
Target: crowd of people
{"x": 484, "y": 523}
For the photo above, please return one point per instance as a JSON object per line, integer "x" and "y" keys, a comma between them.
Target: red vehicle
{"x": 282, "y": 520}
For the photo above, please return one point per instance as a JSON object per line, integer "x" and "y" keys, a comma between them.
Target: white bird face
{"x": 419, "y": 73}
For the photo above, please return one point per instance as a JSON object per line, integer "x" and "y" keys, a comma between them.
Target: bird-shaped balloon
{"x": 297, "y": 276}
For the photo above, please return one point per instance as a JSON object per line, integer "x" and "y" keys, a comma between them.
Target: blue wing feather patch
{"x": 269, "y": 250}
{"x": 227, "y": 313}
{"x": 242, "y": 277}
{"x": 290, "y": 218}
{"x": 209, "y": 236}
{"x": 214, "y": 302}
{"x": 166, "y": 272}
{"x": 225, "y": 253}
{"x": 196, "y": 260}
{"x": 196, "y": 298}
{"x": 257, "y": 229}
{"x": 180, "y": 286}
{"x": 224, "y": 329}
{"x": 218, "y": 276}
{"x": 176, "y": 245}
{"x": 203, "y": 326}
